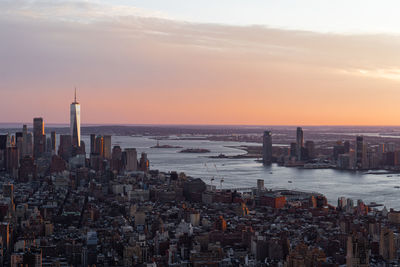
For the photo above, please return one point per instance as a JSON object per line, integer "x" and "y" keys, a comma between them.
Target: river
{"x": 238, "y": 173}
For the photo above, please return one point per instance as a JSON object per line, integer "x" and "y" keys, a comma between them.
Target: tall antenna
{"x": 75, "y": 95}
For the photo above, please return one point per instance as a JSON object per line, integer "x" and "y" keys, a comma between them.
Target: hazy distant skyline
{"x": 201, "y": 62}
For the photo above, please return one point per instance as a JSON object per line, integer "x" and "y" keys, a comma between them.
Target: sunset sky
{"x": 317, "y": 62}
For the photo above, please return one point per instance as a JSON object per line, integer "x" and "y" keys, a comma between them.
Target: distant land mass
{"x": 282, "y": 135}
{"x": 165, "y": 130}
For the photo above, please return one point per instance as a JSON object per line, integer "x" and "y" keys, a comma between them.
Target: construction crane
{"x": 208, "y": 171}
{"x": 222, "y": 179}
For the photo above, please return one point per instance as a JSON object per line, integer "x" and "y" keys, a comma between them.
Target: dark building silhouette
{"x": 144, "y": 163}
{"x": 338, "y": 149}
{"x": 65, "y": 148}
{"x": 310, "y": 149}
{"x": 99, "y": 146}
{"x": 116, "y": 159}
{"x": 39, "y": 137}
{"x": 131, "y": 162}
{"x": 293, "y": 150}
{"x": 107, "y": 146}
{"x": 92, "y": 143}
{"x": 53, "y": 142}
{"x": 12, "y": 159}
{"x": 58, "y": 164}
{"x": 361, "y": 153}
{"x": 299, "y": 142}
{"x": 193, "y": 189}
{"x": 3, "y": 141}
{"x": 27, "y": 170}
{"x": 346, "y": 147}
{"x": 267, "y": 148}
{"x": 3, "y": 145}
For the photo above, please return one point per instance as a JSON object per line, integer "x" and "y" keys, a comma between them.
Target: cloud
{"x": 178, "y": 68}
{"x": 84, "y": 11}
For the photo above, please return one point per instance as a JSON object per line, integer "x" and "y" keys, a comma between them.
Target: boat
{"x": 289, "y": 182}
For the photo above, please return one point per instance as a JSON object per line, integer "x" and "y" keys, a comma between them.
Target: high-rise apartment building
{"x": 390, "y": 147}
{"x": 23, "y": 151}
{"x": 293, "y": 150}
{"x": 144, "y": 163}
{"x": 27, "y": 146}
{"x": 19, "y": 143}
{"x": 116, "y": 161}
{"x": 3, "y": 145}
{"x": 3, "y": 141}
{"x": 92, "y": 143}
{"x": 299, "y": 142}
{"x": 361, "y": 153}
{"x": 107, "y": 146}
{"x": 267, "y": 148}
{"x": 53, "y": 142}
{"x": 65, "y": 148}
{"x": 357, "y": 251}
{"x": 131, "y": 159}
{"x": 12, "y": 160}
{"x": 310, "y": 148}
{"x": 48, "y": 146}
{"x": 39, "y": 137}
{"x": 75, "y": 123}
{"x": 99, "y": 146}
{"x": 387, "y": 248}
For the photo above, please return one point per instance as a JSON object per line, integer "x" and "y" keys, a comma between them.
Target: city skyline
{"x": 213, "y": 133}
{"x": 147, "y": 63}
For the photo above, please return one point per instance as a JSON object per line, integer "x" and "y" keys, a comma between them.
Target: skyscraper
{"x": 3, "y": 146}
{"x": 267, "y": 148}
{"x": 64, "y": 149}
{"x": 75, "y": 126}
{"x": 107, "y": 146}
{"x": 310, "y": 148}
{"x": 144, "y": 163}
{"x": 19, "y": 143}
{"x": 116, "y": 161}
{"x": 39, "y": 138}
{"x": 24, "y": 151}
{"x": 299, "y": 142}
{"x": 131, "y": 159}
{"x": 99, "y": 146}
{"x": 53, "y": 143}
{"x": 92, "y": 143}
{"x": 293, "y": 150}
{"x": 361, "y": 153}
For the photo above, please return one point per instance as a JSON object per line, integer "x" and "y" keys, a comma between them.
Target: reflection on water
{"x": 245, "y": 172}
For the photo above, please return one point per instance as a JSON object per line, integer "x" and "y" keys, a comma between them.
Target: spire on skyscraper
{"x": 75, "y": 122}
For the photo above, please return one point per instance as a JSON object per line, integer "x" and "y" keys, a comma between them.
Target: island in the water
{"x": 164, "y": 146}
{"x": 195, "y": 150}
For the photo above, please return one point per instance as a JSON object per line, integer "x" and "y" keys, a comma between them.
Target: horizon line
{"x": 212, "y": 124}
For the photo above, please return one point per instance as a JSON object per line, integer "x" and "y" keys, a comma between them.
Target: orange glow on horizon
{"x": 177, "y": 73}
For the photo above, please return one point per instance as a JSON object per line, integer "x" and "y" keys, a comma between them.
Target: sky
{"x": 253, "y": 62}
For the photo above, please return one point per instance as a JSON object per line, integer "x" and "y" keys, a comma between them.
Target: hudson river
{"x": 238, "y": 173}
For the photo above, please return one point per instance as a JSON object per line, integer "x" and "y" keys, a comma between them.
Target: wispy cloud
{"x": 49, "y": 46}
{"x": 83, "y": 11}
